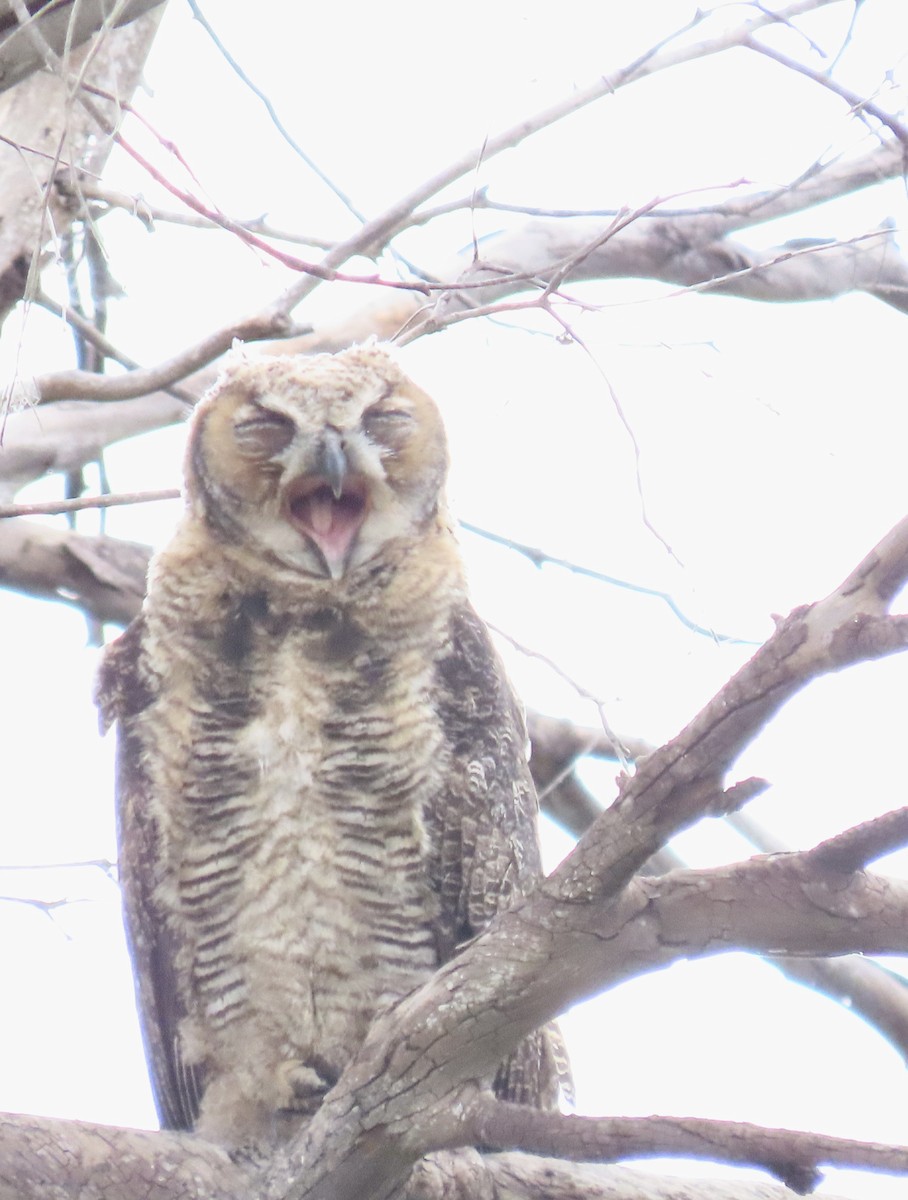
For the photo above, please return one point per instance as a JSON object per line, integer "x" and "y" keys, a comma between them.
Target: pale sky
{"x": 772, "y": 444}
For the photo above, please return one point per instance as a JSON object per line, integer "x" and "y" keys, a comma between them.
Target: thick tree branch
{"x": 73, "y": 1160}
{"x": 71, "y": 433}
{"x": 591, "y": 924}
{"x": 104, "y": 577}
{"x": 683, "y": 780}
{"x": 42, "y": 1158}
{"x": 859, "y": 984}
{"x": 39, "y": 121}
{"x": 59, "y": 24}
{"x": 682, "y": 247}
{"x": 792, "y": 1157}
{"x": 411, "y": 1087}
{"x": 519, "y": 1177}
{"x": 674, "y": 251}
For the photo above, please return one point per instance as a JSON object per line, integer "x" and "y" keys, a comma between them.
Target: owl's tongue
{"x": 332, "y": 522}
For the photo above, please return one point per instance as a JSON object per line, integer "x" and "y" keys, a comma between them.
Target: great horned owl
{"x": 322, "y": 782}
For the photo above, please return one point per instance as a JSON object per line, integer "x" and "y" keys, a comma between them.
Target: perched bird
{"x": 322, "y": 778}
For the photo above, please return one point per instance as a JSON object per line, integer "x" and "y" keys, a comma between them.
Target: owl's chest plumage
{"x": 296, "y": 864}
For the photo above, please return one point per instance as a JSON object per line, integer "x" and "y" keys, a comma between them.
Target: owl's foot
{"x": 304, "y": 1084}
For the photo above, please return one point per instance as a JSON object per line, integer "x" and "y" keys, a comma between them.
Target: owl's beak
{"x": 328, "y": 504}
{"x": 332, "y": 462}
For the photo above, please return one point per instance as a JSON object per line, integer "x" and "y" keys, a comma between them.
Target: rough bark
{"x": 47, "y": 132}
{"x": 61, "y": 24}
{"x": 45, "y": 1159}
{"x": 104, "y": 577}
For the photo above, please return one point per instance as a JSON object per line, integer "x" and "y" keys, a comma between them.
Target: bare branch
{"x": 150, "y": 214}
{"x": 591, "y": 924}
{"x": 104, "y": 577}
{"x": 682, "y": 781}
{"x": 100, "y": 864}
{"x": 69, "y": 1160}
{"x": 55, "y": 507}
{"x": 677, "y": 252}
{"x": 413, "y": 1076}
{"x": 60, "y": 25}
{"x": 859, "y": 104}
{"x": 855, "y": 848}
{"x": 85, "y": 385}
{"x": 793, "y": 1157}
{"x": 861, "y": 986}
{"x": 376, "y": 233}
{"x": 540, "y": 557}
{"x": 686, "y": 247}
{"x": 562, "y": 742}
{"x": 38, "y": 114}
{"x": 519, "y": 1177}
{"x": 41, "y": 1157}
{"x": 272, "y": 113}
{"x": 67, "y": 435}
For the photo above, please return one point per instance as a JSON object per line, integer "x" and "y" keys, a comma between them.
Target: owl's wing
{"x": 482, "y": 827}
{"x": 122, "y": 693}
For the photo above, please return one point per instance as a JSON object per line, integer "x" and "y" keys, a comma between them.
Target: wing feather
{"x": 123, "y": 693}
{"x": 482, "y": 828}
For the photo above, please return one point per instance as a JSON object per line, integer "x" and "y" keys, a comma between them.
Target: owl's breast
{"x": 303, "y": 875}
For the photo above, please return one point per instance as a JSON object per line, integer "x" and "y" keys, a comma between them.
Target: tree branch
{"x": 104, "y": 577}
{"x": 37, "y": 118}
{"x": 67, "y": 435}
{"x": 540, "y": 558}
{"x": 42, "y": 1158}
{"x": 72, "y": 1160}
{"x": 591, "y": 924}
{"x": 792, "y": 1157}
{"x": 680, "y": 251}
{"x": 60, "y": 25}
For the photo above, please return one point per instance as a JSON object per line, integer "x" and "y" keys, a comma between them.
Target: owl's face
{"x": 318, "y": 462}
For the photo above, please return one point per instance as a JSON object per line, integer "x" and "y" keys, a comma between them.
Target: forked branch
{"x": 592, "y": 924}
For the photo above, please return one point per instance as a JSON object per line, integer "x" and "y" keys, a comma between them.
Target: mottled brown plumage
{"x": 322, "y": 784}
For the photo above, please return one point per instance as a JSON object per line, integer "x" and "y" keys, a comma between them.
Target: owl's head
{"x": 318, "y": 462}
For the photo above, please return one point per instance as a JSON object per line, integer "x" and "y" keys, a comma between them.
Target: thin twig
{"x": 55, "y": 507}
{"x": 859, "y": 104}
{"x": 100, "y": 864}
{"x": 540, "y": 557}
{"x": 374, "y": 234}
{"x": 149, "y": 214}
{"x": 272, "y": 113}
{"x": 628, "y": 428}
{"x": 581, "y": 691}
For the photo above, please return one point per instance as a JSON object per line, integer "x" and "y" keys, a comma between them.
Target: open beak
{"x": 328, "y": 504}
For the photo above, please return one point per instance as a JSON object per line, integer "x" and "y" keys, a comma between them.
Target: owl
{"x": 322, "y": 780}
